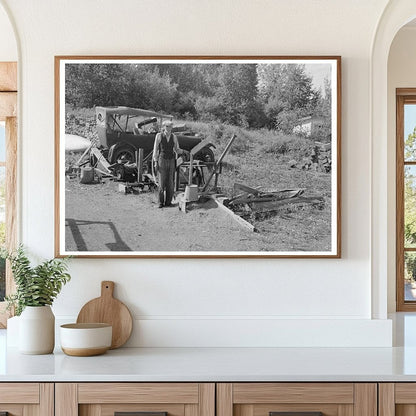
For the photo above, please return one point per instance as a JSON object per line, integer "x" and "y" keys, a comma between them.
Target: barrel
{"x": 87, "y": 175}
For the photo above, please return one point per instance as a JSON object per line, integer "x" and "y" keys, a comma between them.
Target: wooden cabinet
{"x": 208, "y": 399}
{"x": 106, "y": 399}
{"x": 397, "y": 399}
{"x": 262, "y": 399}
{"x": 27, "y": 399}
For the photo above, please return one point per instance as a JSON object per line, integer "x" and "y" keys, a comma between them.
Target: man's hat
{"x": 167, "y": 123}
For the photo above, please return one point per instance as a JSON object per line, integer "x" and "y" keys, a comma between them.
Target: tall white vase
{"x": 37, "y": 330}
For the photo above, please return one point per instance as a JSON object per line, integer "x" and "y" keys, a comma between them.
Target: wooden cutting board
{"x": 107, "y": 309}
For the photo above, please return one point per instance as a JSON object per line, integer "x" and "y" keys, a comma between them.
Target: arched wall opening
{"x": 396, "y": 15}
{"x": 401, "y": 73}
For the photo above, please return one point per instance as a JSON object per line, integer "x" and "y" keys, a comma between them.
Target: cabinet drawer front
{"x": 138, "y": 393}
{"x": 341, "y": 393}
{"x": 112, "y": 409}
{"x": 19, "y": 393}
{"x": 293, "y": 409}
{"x": 405, "y": 393}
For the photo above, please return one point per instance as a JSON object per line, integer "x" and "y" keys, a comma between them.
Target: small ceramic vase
{"x": 37, "y": 330}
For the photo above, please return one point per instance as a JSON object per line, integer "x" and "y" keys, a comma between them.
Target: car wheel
{"x": 125, "y": 153}
{"x": 205, "y": 155}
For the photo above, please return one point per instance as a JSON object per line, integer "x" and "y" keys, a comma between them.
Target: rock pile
{"x": 319, "y": 159}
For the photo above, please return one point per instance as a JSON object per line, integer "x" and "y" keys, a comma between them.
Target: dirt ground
{"x": 99, "y": 218}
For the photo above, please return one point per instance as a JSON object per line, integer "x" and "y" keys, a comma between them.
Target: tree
{"x": 410, "y": 205}
{"x": 235, "y": 98}
{"x": 410, "y": 146}
{"x": 87, "y": 85}
{"x": 410, "y": 191}
{"x": 323, "y": 110}
{"x": 142, "y": 86}
{"x": 286, "y": 91}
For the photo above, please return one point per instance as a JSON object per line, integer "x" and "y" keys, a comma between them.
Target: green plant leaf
{"x": 35, "y": 286}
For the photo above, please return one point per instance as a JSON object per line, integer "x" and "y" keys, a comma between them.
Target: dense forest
{"x": 272, "y": 96}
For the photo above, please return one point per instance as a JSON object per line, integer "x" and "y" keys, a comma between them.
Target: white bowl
{"x": 83, "y": 340}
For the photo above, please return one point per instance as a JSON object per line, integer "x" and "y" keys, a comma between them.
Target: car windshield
{"x": 133, "y": 124}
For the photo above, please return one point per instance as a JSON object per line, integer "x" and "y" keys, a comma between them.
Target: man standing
{"x": 165, "y": 147}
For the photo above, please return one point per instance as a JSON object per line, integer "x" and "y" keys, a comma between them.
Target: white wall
{"x": 246, "y": 302}
{"x": 8, "y": 47}
{"x": 401, "y": 74}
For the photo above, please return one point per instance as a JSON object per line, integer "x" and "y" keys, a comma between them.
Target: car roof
{"x": 129, "y": 111}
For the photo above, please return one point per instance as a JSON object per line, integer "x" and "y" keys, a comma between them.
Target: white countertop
{"x": 222, "y": 364}
{"x": 215, "y": 364}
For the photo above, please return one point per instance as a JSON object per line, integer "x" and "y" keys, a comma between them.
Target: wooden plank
{"x": 91, "y": 410}
{"x": 66, "y": 399}
{"x": 265, "y": 409}
{"x": 138, "y": 393}
{"x": 57, "y": 129}
{"x": 139, "y": 163}
{"x": 405, "y": 410}
{"x": 101, "y": 159}
{"x": 405, "y": 393}
{"x": 247, "y": 189}
{"x": 274, "y": 205}
{"x": 47, "y": 399}
{"x": 190, "y": 410}
{"x": 224, "y": 399}
{"x": 399, "y": 204}
{"x": 284, "y": 198}
{"x": 339, "y": 163}
{"x": 267, "y": 196}
{"x": 8, "y": 76}
{"x": 345, "y": 410}
{"x": 386, "y": 399}
{"x": 31, "y": 410}
{"x": 405, "y": 91}
{"x": 365, "y": 399}
{"x": 11, "y": 195}
{"x": 23, "y": 393}
{"x": 110, "y": 409}
{"x": 236, "y": 217}
{"x": 8, "y": 105}
{"x": 14, "y": 409}
{"x": 245, "y": 410}
{"x": 340, "y": 393}
{"x": 207, "y": 399}
{"x": 11, "y": 207}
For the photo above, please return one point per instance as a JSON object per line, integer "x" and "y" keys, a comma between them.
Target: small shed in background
{"x": 308, "y": 126}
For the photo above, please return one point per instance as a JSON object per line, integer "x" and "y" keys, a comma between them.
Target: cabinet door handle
{"x": 295, "y": 413}
{"x": 138, "y": 414}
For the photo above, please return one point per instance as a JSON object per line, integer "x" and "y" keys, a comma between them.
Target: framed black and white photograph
{"x": 198, "y": 156}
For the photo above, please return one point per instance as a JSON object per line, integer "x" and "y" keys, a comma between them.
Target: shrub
{"x": 35, "y": 286}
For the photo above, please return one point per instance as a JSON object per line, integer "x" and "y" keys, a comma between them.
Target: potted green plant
{"x": 36, "y": 289}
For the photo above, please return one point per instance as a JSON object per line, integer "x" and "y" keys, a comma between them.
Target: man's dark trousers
{"x": 166, "y": 179}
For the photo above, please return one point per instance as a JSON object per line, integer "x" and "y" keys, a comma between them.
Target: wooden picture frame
{"x": 269, "y": 161}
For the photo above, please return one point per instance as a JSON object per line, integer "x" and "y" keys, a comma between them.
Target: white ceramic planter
{"x": 37, "y": 330}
